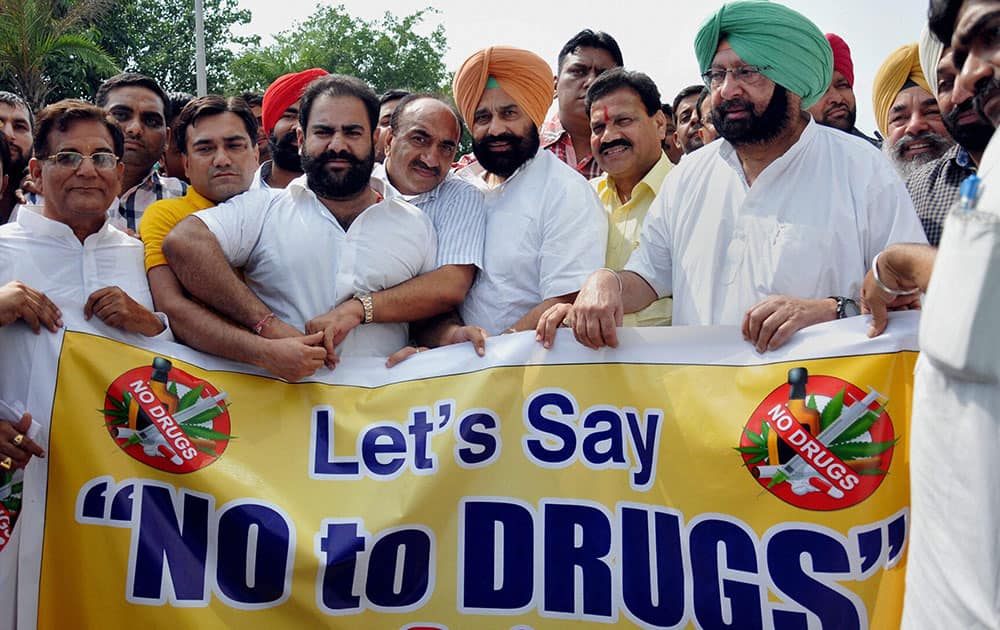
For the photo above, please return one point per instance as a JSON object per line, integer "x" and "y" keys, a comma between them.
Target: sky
{"x": 656, "y": 36}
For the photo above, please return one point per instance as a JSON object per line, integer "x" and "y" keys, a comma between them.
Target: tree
{"x": 385, "y": 53}
{"x": 156, "y": 38}
{"x": 39, "y": 38}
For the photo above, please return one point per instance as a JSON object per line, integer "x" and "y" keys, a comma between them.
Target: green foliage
{"x": 833, "y": 409}
{"x": 156, "y": 38}
{"x": 385, "y": 53}
{"x": 47, "y": 44}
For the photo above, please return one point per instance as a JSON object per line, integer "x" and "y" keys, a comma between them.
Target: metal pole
{"x": 201, "y": 80}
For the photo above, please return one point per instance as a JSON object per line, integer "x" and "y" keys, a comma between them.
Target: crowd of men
{"x": 322, "y": 222}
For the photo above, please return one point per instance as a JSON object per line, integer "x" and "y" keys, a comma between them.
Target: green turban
{"x": 769, "y": 34}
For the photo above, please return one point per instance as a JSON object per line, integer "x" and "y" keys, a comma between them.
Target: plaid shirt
{"x": 557, "y": 140}
{"x": 934, "y": 189}
{"x": 134, "y": 201}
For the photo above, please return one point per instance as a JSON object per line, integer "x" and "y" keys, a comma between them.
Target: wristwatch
{"x": 366, "y": 304}
{"x": 846, "y": 307}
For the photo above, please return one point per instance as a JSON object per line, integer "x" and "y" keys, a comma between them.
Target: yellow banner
{"x": 619, "y": 491}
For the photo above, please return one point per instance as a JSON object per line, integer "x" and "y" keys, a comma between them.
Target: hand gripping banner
{"x": 679, "y": 481}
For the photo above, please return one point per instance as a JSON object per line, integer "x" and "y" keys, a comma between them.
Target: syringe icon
{"x": 848, "y": 416}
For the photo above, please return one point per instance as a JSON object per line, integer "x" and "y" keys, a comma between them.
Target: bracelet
{"x": 259, "y": 326}
{"x": 618, "y": 277}
{"x": 368, "y": 306}
{"x": 881, "y": 285}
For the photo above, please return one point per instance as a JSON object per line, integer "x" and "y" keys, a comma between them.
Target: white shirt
{"x": 546, "y": 231}
{"x": 808, "y": 227}
{"x": 953, "y": 566}
{"x": 45, "y": 255}
{"x": 260, "y": 176}
{"x": 301, "y": 263}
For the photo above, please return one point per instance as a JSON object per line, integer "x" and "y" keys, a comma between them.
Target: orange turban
{"x": 285, "y": 92}
{"x": 521, "y": 73}
{"x": 903, "y": 65}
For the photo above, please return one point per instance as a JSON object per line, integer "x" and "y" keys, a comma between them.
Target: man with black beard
{"x": 770, "y": 226}
{"x": 313, "y": 253}
{"x": 837, "y": 107}
{"x": 279, "y": 121}
{"x": 545, "y": 227}
{"x": 16, "y": 126}
{"x": 935, "y": 187}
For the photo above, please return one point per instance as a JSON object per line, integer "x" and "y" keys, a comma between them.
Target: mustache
{"x": 836, "y": 106}
{"x": 734, "y": 103}
{"x": 418, "y": 163}
{"x": 969, "y": 105}
{"x": 621, "y": 142}
{"x": 939, "y": 142}
{"x": 287, "y": 139}
{"x": 983, "y": 91}
{"x": 503, "y": 137}
{"x": 329, "y": 156}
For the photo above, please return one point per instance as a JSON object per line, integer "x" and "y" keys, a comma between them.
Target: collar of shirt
{"x": 648, "y": 185}
{"x": 553, "y": 137}
{"x": 198, "y": 199}
{"x": 264, "y": 172}
{"x": 476, "y": 174}
{"x": 299, "y": 189}
{"x": 150, "y": 182}
{"x": 382, "y": 176}
{"x": 728, "y": 153}
{"x": 40, "y": 224}
{"x": 551, "y": 131}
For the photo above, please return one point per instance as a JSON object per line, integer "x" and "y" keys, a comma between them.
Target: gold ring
{"x": 18, "y": 439}
{"x": 6, "y": 463}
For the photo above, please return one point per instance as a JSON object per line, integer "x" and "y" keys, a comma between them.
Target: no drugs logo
{"x": 166, "y": 418}
{"x": 819, "y": 442}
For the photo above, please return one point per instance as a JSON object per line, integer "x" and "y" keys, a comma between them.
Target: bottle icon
{"x": 137, "y": 418}
{"x": 778, "y": 451}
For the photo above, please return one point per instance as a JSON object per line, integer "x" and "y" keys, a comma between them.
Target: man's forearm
{"x": 913, "y": 262}
{"x": 200, "y": 265}
{"x": 636, "y": 292}
{"x": 424, "y": 296}
{"x": 200, "y": 327}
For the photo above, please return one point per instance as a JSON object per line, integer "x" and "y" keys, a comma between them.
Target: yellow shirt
{"x": 625, "y": 225}
{"x": 161, "y": 217}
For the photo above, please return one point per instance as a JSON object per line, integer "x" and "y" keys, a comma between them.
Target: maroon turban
{"x": 285, "y": 92}
{"x": 841, "y": 57}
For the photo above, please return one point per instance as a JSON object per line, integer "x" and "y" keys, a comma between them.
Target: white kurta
{"x": 808, "y": 227}
{"x": 953, "y": 570}
{"x": 546, "y": 231}
{"x": 301, "y": 262}
{"x": 47, "y": 256}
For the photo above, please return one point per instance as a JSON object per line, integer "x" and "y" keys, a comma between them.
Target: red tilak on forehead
{"x": 607, "y": 118}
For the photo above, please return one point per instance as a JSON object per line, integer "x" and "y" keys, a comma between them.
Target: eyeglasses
{"x": 72, "y": 160}
{"x": 747, "y": 75}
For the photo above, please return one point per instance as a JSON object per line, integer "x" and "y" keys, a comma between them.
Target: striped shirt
{"x": 458, "y": 212}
